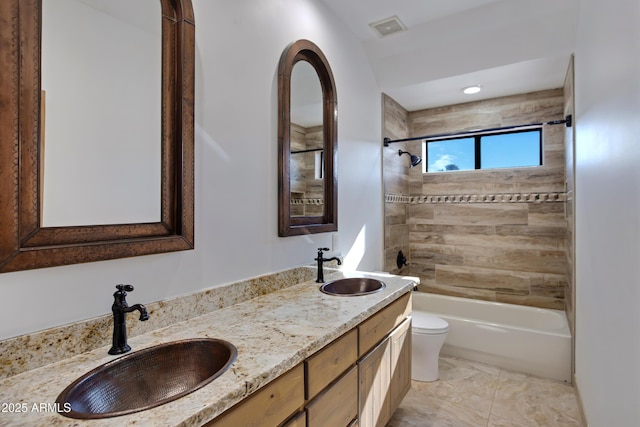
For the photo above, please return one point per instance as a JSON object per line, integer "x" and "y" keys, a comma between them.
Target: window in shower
{"x": 519, "y": 148}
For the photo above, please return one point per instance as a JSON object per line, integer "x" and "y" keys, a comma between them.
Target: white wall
{"x": 238, "y": 45}
{"x": 607, "y": 71}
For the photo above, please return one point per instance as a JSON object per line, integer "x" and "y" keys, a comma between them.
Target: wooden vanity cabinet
{"x": 385, "y": 370}
{"x": 324, "y": 367}
{"x": 337, "y": 405}
{"x": 377, "y": 327}
{"x": 400, "y": 347}
{"x": 383, "y": 361}
{"x": 385, "y": 377}
{"x": 374, "y": 404}
{"x": 269, "y": 406}
{"x": 332, "y": 383}
{"x": 357, "y": 380}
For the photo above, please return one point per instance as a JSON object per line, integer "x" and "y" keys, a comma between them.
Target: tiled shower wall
{"x": 307, "y": 192}
{"x": 570, "y": 295}
{"x": 395, "y": 122}
{"x": 498, "y": 235}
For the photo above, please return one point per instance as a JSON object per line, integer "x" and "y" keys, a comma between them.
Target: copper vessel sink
{"x": 353, "y": 286}
{"x": 147, "y": 378}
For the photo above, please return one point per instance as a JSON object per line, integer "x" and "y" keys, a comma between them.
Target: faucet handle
{"x": 320, "y": 250}
{"x": 124, "y": 288}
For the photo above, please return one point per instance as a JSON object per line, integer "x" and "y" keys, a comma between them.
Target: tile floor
{"x": 471, "y": 394}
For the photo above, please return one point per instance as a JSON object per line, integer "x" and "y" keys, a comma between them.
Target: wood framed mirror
{"x": 307, "y": 142}
{"x": 25, "y": 243}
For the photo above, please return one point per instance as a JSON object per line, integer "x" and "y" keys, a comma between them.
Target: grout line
{"x": 493, "y": 398}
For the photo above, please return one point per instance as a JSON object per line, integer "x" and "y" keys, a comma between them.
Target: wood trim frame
{"x": 24, "y": 244}
{"x": 305, "y": 50}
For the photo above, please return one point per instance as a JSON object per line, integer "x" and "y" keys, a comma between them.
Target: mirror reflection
{"x": 100, "y": 112}
{"x": 307, "y": 142}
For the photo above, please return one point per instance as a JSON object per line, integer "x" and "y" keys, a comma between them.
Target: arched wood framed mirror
{"x": 307, "y": 142}
{"x": 26, "y": 242}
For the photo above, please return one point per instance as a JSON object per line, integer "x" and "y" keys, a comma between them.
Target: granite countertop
{"x": 273, "y": 333}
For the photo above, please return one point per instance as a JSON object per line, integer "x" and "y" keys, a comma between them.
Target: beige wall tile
{"x": 481, "y": 214}
{"x": 452, "y": 234}
{"x": 395, "y": 213}
{"x": 483, "y": 278}
{"x": 476, "y": 293}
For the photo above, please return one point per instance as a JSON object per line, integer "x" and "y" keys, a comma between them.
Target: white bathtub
{"x": 532, "y": 340}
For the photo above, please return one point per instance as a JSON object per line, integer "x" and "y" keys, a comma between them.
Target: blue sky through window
{"x": 510, "y": 150}
{"x": 514, "y": 149}
{"x": 459, "y": 152}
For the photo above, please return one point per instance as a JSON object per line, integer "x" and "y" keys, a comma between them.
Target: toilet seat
{"x": 425, "y": 323}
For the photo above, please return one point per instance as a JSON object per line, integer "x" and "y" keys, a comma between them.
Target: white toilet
{"x": 428, "y": 333}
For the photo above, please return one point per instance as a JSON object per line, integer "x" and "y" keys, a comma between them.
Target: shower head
{"x": 415, "y": 160}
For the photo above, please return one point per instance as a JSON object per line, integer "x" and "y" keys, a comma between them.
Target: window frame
{"x": 477, "y": 147}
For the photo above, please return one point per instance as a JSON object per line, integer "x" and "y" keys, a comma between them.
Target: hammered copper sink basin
{"x": 353, "y": 286}
{"x": 147, "y": 378}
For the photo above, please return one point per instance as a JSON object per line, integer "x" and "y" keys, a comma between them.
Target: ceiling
{"x": 505, "y": 46}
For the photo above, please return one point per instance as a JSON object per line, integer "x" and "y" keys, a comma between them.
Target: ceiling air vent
{"x": 388, "y": 26}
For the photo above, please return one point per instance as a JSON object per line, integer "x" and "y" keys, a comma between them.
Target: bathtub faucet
{"x": 120, "y": 308}
{"x": 320, "y": 260}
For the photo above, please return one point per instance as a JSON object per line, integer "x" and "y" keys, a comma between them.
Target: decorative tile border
{"x": 478, "y": 198}
{"x": 307, "y": 201}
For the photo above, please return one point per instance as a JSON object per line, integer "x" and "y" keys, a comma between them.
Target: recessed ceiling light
{"x": 469, "y": 90}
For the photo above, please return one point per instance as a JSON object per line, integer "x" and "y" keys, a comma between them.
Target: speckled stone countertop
{"x": 273, "y": 333}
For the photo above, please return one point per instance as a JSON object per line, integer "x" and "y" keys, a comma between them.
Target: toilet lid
{"x": 425, "y": 323}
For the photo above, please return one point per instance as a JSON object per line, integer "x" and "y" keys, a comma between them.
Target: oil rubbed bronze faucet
{"x": 120, "y": 308}
{"x": 320, "y": 260}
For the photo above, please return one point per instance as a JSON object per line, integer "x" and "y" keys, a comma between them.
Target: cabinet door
{"x": 400, "y": 343}
{"x": 374, "y": 381}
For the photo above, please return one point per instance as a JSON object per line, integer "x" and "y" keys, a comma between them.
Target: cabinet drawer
{"x": 337, "y": 405}
{"x": 328, "y": 364}
{"x": 270, "y": 405}
{"x": 374, "y": 329}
